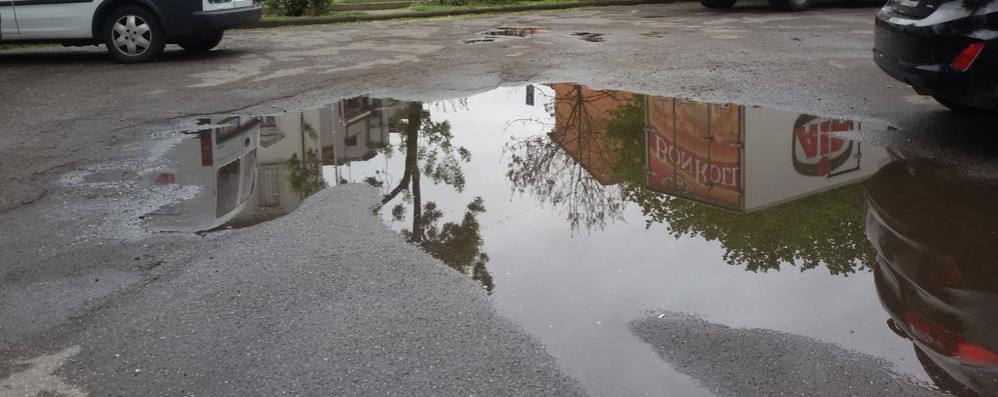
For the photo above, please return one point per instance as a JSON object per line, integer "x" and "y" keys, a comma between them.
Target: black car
{"x": 943, "y": 48}
{"x": 935, "y": 231}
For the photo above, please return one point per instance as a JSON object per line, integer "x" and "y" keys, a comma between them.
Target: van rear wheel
{"x": 202, "y": 43}
{"x": 132, "y": 34}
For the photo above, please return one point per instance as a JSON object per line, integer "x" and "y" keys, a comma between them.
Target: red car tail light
{"x": 966, "y": 58}
{"x": 946, "y": 342}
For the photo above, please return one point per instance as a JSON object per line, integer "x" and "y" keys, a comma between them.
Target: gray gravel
{"x": 759, "y": 362}
{"x": 326, "y": 301}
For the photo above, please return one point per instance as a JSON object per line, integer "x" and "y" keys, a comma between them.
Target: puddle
{"x": 590, "y": 37}
{"x": 476, "y": 41}
{"x": 580, "y": 210}
{"x": 515, "y": 31}
{"x": 506, "y": 32}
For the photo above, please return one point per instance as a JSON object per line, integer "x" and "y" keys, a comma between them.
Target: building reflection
{"x": 216, "y": 166}
{"x": 581, "y": 117}
{"x": 933, "y": 228}
{"x": 296, "y": 146}
{"x": 569, "y": 168}
{"x": 248, "y": 170}
{"x": 757, "y": 180}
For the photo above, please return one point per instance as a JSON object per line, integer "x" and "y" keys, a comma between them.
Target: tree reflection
{"x": 593, "y": 162}
{"x": 569, "y": 167}
{"x": 459, "y": 245}
{"x": 428, "y": 149}
{"x": 305, "y": 173}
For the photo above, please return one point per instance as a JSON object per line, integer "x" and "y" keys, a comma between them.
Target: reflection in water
{"x": 934, "y": 232}
{"x": 428, "y": 149}
{"x": 608, "y": 148}
{"x": 569, "y": 168}
{"x": 220, "y": 160}
{"x": 294, "y": 147}
{"x": 458, "y": 245}
{"x": 603, "y": 150}
{"x": 253, "y": 169}
{"x": 613, "y": 183}
{"x": 768, "y": 362}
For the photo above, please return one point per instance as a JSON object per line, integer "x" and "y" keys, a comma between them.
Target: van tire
{"x": 202, "y": 43}
{"x": 132, "y": 34}
{"x": 718, "y": 3}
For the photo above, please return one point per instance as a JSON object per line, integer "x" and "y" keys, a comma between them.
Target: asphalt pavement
{"x": 339, "y": 304}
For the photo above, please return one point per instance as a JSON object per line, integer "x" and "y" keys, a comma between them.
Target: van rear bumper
{"x": 227, "y": 19}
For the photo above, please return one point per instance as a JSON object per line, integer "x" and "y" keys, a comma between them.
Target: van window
{"x": 227, "y": 188}
{"x": 249, "y": 176}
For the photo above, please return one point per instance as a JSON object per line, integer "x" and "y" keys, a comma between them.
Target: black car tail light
{"x": 965, "y": 59}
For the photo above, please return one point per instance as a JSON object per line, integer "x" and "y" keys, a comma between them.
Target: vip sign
{"x": 818, "y": 152}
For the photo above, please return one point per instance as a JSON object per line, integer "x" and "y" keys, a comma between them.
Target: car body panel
{"x": 918, "y": 51}
{"x": 8, "y": 19}
{"x": 933, "y": 229}
{"x": 54, "y": 20}
{"x": 81, "y": 21}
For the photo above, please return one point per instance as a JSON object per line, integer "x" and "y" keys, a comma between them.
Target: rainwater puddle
{"x": 585, "y": 213}
{"x": 590, "y": 37}
{"x": 506, "y": 32}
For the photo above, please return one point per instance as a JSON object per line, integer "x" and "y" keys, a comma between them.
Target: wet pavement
{"x": 660, "y": 241}
{"x": 592, "y": 217}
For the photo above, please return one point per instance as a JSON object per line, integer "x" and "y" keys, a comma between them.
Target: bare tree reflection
{"x": 569, "y": 168}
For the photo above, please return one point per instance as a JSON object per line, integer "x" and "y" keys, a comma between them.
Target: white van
{"x": 132, "y": 30}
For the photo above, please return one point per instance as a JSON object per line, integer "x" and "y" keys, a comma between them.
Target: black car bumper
{"x": 920, "y": 56}
{"x": 227, "y": 19}
{"x": 933, "y": 79}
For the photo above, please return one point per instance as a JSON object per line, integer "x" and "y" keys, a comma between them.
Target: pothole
{"x": 517, "y": 31}
{"x": 505, "y": 33}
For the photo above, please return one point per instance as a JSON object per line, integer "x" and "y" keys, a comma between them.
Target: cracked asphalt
{"x": 88, "y": 305}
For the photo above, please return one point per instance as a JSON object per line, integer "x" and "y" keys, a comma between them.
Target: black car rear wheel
{"x": 961, "y": 108}
{"x": 718, "y": 3}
